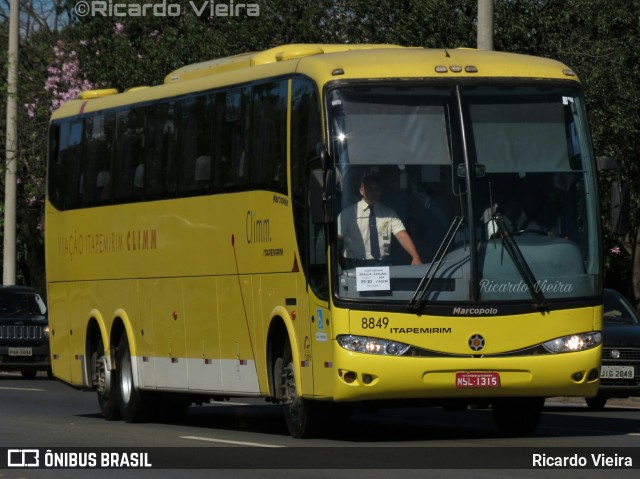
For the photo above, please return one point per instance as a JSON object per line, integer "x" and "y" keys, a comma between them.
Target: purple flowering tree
{"x": 64, "y": 80}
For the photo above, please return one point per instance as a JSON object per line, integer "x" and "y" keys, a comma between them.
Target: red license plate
{"x": 477, "y": 380}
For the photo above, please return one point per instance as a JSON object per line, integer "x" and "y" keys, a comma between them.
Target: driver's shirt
{"x": 353, "y": 228}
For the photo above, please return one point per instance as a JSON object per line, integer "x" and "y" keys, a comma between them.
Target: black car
{"x": 620, "y": 371}
{"x": 24, "y": 331}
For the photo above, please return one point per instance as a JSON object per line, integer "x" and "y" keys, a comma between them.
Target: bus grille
{"x": 626, "y": 354}
{"x": 19, "y": 332}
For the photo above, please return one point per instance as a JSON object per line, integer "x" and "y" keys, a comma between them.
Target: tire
{"x": 517, "y": 416}
{"x": 303, "y": 417}
{"x": 596, "y": 403}
{"x": 106, "y": 389}
{"x": 130, "y": 400}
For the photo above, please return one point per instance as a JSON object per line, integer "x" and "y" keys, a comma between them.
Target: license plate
{"x": 20, "y": 352}
{"x": 477, "y": 380}
{"x": 617, "y": 372}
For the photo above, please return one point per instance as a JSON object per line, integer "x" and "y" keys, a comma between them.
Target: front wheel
{"x": 302, "y": 416}
{"x": 517, "y": 416}
{"x": 130, "y": 399}
{"x": 596, "y": 403}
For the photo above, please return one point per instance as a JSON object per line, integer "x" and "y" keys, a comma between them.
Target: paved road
{"x": 43, "y": 414}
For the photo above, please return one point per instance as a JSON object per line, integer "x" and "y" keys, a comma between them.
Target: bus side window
{"x": 230, "y": 148}
{"x": 196, "y": 125}
{"x": 123, "y": 164}
{"x": 69, "y": 163}
{"x": 96, "y": 179}
{"x": 268, "y": 136}
{"x": 306, "y": 134}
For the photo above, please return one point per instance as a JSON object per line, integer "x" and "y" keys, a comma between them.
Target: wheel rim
{"x": 126, "y": 379}
{"x": 103, "y": 377}
{"x": 289, "y": 395}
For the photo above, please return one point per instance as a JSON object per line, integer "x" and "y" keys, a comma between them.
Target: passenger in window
{"x": 203, "y": 173}
{"x": 517, "y": 218}
{"x": 365, "y": 228}
{"x": 138, "y": 180}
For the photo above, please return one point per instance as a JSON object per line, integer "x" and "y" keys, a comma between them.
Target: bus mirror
{"x": 607, "y": 163}
{"x": 320, "y": 201}
{"x": 323, "y": 154}
{"x": 619, "y": 214}
{"x": 619, "y": 208}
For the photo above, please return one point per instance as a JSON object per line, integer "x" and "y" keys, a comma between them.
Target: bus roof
{"x": 326, "y": 62}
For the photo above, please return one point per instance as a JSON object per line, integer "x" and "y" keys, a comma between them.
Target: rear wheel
{"x": 105, "y": 385}
{"x": 130, "y": 399}
{"x": 517, "y": 416}
{"x": 303, "y": 416}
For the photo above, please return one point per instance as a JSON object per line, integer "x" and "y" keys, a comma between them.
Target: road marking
{"x": 21, "y": 389}
{"x": 224, "y": 441}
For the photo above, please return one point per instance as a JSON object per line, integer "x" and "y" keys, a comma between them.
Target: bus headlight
{"x": 45, "y": 331}
{"x": 363, "y": 344}
{"x": 576, "y": 342}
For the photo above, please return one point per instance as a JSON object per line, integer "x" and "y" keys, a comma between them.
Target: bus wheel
{"x": 130, "y": 401}
{"x": 517, "y": 416}
{"x": 302, "y": 416}
{"x": 106, "y": 389}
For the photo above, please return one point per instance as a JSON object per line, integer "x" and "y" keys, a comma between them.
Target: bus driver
{"x": 365, "y": 228}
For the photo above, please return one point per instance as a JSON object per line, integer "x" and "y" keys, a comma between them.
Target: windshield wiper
{"x": 521, "y": 264}
{"x": 438, "y": 259}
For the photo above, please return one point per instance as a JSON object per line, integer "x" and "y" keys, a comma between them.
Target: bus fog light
{"x": 577, "y": 377}
{"x": 349, "y": 377}
{"x": 593, "y": 375}
{"x": 367, "y": 378}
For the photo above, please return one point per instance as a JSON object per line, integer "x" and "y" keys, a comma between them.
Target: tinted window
{"x": 213, "y": 142}
{"x": 20, "y": 304}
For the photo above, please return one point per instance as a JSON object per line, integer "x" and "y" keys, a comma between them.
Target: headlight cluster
{"x": 576, "y": 342}
{"x": 45, "y": 331}
{"x": 363, "y": 344}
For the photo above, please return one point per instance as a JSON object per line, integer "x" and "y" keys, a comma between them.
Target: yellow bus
{"x": 202, "y": 235}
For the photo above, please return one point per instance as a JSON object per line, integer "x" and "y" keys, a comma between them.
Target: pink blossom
{"x": 65, "y": 79}
{"x": 119, "y": 28}
{"x": 31, "y": 109}
{"x": 615, "y": 250}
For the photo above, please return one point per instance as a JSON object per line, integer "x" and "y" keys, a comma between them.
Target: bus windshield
{"x": 463, "y": 193}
